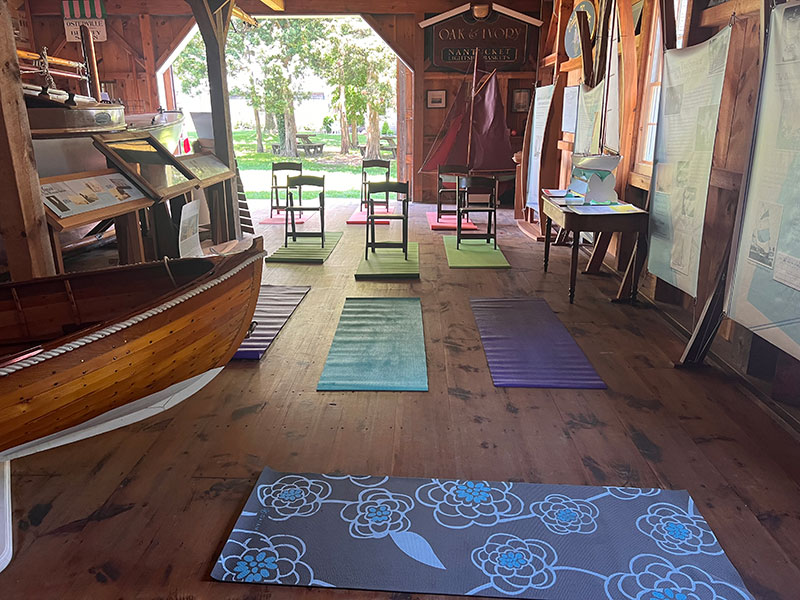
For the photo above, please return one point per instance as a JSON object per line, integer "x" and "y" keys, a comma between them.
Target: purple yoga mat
{"x": 527, "y": 346}
{"x": 275, "y": 305}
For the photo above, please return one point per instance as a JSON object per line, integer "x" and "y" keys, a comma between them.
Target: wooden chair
{"x": 448, "y": 184}
{"x": 377, "y": 167}
{"x": 281, "y": 168}
{"x": 385, "y": 187}
{"x": 297, "y": 183}
{"x": 467, "y": 189}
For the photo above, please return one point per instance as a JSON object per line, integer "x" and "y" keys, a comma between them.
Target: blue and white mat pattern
{"x": 484, "y": 538}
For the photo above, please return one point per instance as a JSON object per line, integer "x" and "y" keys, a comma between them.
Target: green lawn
{"x": 331, "y": 161}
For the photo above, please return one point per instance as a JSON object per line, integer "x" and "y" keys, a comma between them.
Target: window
{"x": 652, "y": 91}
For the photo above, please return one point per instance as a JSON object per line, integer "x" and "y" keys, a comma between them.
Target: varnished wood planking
{"x": 179, "y": 480}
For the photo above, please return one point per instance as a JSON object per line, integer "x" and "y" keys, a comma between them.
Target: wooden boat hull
{"x": 195, "y": 330}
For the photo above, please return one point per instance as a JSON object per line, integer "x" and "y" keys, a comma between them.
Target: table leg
{"x": 573, "y": 265}
{"x": 548, "y": 225}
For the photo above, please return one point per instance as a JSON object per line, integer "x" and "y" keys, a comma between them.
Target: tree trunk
{"x": 354, "y": 134}
{"x": 345, "y": 148}
{"x": 280, "y": 123}
{"x": 259, "y": 136}
{"x": 373, "y": 150}
{"x": 290, "y": 129}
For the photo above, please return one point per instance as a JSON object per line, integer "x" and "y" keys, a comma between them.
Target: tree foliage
{"x": 268, "y": 65}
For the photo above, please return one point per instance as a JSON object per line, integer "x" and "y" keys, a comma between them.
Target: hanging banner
{"x": 91, "y": 13}
{"x": 765, "y": 290}
{"x": 611, "y": 141}
{"x": 691, "y": 89}
{"x": 541, "y": 111}
{"x": 569, "y": 114}
{"x": 590, "y": 112}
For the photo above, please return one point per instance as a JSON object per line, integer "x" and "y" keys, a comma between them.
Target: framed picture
{"x": 520, "y": 100}
{"x": 437, "y": 99}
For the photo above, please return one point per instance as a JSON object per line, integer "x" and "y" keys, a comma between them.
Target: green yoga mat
{"x": 390, "y": 263}
{"x": 379, "y": 345}
{"x": 473, "y": 254}
{"x": 306, "y": 250}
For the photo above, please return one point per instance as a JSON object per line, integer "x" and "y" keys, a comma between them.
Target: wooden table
{"x": 567, "y": 217}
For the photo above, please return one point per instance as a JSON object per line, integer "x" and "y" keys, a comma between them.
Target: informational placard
{"x": 204, "y": 165}
{"x": 569, "y": 114}
{"x": 687, "y": 127}
{"x": 611, "y": 141}
{"x": 189, "y": 236}
{"x": 541, "y": 112}
{"x": 76, "y": 196}
{"x": 590, "y": 112}
{"x": 764, "y": 295}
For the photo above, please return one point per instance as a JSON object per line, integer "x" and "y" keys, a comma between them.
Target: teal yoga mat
{"x": 379, "y": 345}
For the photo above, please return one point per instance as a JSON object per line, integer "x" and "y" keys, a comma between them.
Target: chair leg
{"x": 322, "y": 223}
{"x": 458, "y": 229}
{"x": 372, "y": 223}
{"x": 366, "y": 245}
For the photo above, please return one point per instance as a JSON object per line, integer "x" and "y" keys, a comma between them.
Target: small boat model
{"x": 85, "y": 353}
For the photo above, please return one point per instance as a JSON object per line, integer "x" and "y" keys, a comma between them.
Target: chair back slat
{"x": 376, "y": 164}
{"x": 453, "y": 170}
{"x": 287, "y": 166}
{"x": 381, "y": 187}
{"x": 304, "y": 180}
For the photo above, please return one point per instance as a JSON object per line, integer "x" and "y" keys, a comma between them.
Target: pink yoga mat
{"x": 360, "y": 218}
{"x": 448, "y": 223}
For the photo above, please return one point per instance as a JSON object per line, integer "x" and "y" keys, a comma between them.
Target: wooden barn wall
{"x": 137, "y": 45}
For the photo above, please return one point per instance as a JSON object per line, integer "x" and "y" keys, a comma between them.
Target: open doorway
{"x": 317, "y": 90}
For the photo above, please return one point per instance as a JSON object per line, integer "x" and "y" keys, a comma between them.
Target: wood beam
{"x": 185, "y": 29}
{"x": 386, "y": 27}
{"x": 292, "y": 7}
{"x": 276, "y": 5}
{"x": 214, "y": 29}
{"x": 126, "y": 46}
{"x": 23, "y": 226}
{"x": 148, "y": 52}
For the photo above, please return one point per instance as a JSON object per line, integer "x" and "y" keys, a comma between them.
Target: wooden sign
{"x": 501, "y": 41}
{"x": 91, "y": 13}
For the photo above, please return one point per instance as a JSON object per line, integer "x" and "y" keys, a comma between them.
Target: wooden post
{"x": 213, "y": 19}
{"x": 22, "y": 221}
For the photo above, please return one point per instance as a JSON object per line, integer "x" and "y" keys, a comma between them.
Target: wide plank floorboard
{"x": 142, "y": 512}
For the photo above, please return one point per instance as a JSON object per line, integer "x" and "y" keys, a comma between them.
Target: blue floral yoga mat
{"x": 527, "y": 346}
{"x": 378, "y": 345}
{"x": 443, "y": 536}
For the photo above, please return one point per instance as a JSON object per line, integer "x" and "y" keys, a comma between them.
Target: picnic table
{"x": 390, "y": 146}
{"x": 304, "y": 143}
{"x": 309, "y": 146}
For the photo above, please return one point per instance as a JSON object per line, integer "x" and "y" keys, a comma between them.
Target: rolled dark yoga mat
{"x": 527, "y": 346}
{"x": 274, "y": 306}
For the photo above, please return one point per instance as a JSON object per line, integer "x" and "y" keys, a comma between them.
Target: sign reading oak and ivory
{"x": 503, "y": 42}
{"x": 91, "y": 13}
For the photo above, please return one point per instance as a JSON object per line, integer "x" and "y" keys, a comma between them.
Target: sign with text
{"x": 91, "y": 13}
{"x": 501, "y": 41}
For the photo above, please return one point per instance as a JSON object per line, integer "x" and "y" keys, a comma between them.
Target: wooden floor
{"x": 143, "y": 512}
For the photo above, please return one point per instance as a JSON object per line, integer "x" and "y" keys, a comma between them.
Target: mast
{"x": 472, "y": 107}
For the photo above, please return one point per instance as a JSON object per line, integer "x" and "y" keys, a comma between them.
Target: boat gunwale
{"x": 165, "y": 302}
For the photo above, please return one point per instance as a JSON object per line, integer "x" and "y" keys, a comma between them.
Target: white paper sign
{"x": 687, "y": 128}
{"x": 189, "y": 237}
{"x": 765, "y": 290}
{"x": 97, "y": 27}
{"x": 541, "y": 111}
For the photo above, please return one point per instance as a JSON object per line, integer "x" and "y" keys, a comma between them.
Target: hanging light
{"x": 480, "y": 11}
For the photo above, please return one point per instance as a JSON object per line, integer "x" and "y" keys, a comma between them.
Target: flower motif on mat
{"x": 653, "y": 577}
{"x": 516, "y": 565}
{"x": 359, "y": 480}
{"x": 677, "y": 532}
{"x": 458, "y": 504}
{"x": 377, "y": 513}
{"x": 293, "y": 496}
{"x": 252, "y": 557}
{"x": 630, "y": 493}
{"x": 564, "y": 515}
